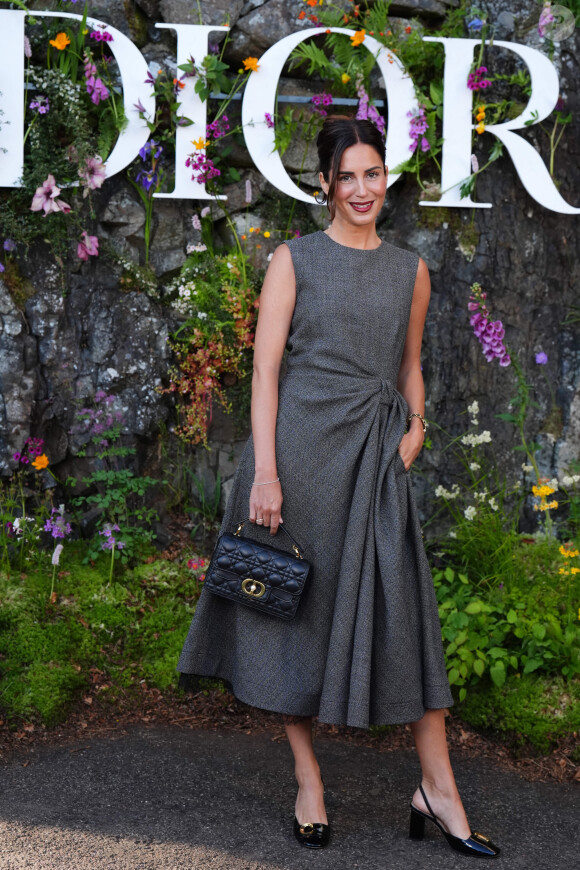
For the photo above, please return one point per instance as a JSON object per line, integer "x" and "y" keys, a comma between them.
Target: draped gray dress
{"x": 365, "y": 646}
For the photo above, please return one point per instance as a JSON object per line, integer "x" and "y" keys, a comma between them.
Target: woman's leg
{"x": 438, "y": 780}
{"x": 310, "y": 799}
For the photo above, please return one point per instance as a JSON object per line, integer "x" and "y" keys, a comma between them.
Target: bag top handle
{"x": 295, "y": 545}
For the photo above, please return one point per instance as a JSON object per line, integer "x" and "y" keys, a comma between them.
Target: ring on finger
{"x": 260, "y": 520}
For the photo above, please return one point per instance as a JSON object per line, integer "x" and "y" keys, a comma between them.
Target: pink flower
{"x": 45, "y": 198}
{"x": 546, "y": 18}
{"x": 56, "y": 554}
{"x": 88, "y": 246}
{"x": 195, "y": 222}
{"x": 93, "y": 174}
{"x": 27, "y": 48}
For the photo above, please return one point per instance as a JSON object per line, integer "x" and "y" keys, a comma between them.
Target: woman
{"x": 332, "y": 444}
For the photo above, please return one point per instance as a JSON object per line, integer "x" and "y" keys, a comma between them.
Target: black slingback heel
{"x": 476, "y": 844}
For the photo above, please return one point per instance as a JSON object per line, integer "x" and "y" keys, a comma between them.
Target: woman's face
{"x": 361, "y": 186}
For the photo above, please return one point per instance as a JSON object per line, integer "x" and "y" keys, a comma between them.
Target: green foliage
{"x": 529, "y": 711}
{"x": 494, "y": 633}
{"x": 113, "y": 489}
{"x": 128, "y": 631}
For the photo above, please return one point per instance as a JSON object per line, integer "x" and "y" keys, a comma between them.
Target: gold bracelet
{"x": 421, "y": 418}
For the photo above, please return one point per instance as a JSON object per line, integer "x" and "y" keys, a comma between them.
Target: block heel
{"x": 417, "y": 825}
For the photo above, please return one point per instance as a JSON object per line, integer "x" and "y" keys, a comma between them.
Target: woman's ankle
{"x": 308, "y": 776}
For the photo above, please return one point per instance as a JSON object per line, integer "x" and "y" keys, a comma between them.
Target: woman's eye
{"x": 373, "y": 174}
{"x": 345, "y": 178}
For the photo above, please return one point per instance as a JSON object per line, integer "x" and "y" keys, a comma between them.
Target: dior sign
{"x": 260, "y": 97}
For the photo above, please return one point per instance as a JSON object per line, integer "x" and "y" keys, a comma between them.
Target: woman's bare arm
{"x": 410, "y": 379}
{"x": 277, "y": 302}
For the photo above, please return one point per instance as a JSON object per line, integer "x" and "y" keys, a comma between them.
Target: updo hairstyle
{"x": 338, "y": 133}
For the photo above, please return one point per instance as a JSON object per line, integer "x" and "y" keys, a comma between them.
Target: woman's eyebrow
{"x": 349, "y": 171}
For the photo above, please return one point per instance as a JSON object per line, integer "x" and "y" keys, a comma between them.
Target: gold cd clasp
{"x": 253, "y": 588}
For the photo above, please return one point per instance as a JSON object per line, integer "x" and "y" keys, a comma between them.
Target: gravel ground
{"x": 169, "y": 798}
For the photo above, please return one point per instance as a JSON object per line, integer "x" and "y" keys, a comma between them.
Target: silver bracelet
{"x": 266, "y": 482}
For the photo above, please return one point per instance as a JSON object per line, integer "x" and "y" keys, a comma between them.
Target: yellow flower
{"x": 358, "y": 37}
{"x": 552, "y": 505}
{"x": 564, "y": 570}
{"x": 480, "y": 116}
{"x": 345, "y": 78}
{"x": 200, "y": 143}
{"x": 480, "y": 128}
{"x": 568, "y": 553}
{"x": 574, "y": 570}
{"x": 251, "y": 229}
{"x": 544, "y": 490}
{"x": 40, "y": 462}
{"x": 251, "y": 64}
{"x": 480, "y": 108}
{"x": 61, "y": 41}
{"x": 267, "y": 234}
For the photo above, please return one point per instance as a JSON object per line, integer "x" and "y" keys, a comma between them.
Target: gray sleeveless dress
{"x": 365, "y": 646}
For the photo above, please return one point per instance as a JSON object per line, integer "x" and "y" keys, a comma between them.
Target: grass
{"x": 130, "y": 630}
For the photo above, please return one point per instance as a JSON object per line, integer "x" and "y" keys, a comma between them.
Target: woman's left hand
{"x": 410, "y": 446}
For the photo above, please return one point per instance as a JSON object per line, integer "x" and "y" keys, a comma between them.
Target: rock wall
{"x": 60, "y": 347}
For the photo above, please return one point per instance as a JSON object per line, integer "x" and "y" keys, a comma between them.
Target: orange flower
{"x": 480, "y": 128}
{"x": 345, "y": 78}
{"x": 178, "y": 83}
{"x": 312, "y": 2}
{"x": 40, "y": 462}
{"x": 251, "y": 64}
{"x": 408, "y": 28}
{"x": 328, "y": 30}
{"x": 61, "y": 41}
{"x": 302, "y": 15}
{"x": 358, "y": 38}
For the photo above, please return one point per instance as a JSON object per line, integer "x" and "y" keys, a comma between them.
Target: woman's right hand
{"x": 266, "y": 504}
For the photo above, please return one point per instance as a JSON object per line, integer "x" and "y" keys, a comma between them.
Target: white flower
{"x": 474, "y": 466}
{"x": 473, "y": 411}
{"x": 469, "y": 512}
{"x": 472, "y": 440}
{"x": 452, "y": 534}
{"x": 202, "y": 315}
{"x": 205, "y": 211}
{"x": 480, "y": 496}
{"x": 570, "y": 480}
{"x": 493, "y": 504}
{"x": 441, "y": 492}
{"x": 553, "y": 483}
{"x": 56, "y": 555}
{"x": 527, "y": 468}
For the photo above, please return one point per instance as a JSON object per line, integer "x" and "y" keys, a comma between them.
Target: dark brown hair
{"x": 338, "y": 133}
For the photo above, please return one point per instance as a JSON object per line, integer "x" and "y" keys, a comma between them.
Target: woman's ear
{"x": 323, "y": 183}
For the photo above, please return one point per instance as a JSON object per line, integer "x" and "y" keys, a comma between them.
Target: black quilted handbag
{"x": 256, "y": 574}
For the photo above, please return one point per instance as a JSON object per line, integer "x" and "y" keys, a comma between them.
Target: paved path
{"x": 163, "y": 798}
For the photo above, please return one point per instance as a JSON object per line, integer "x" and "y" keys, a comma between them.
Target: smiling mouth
{"x": 362, "y": 207}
